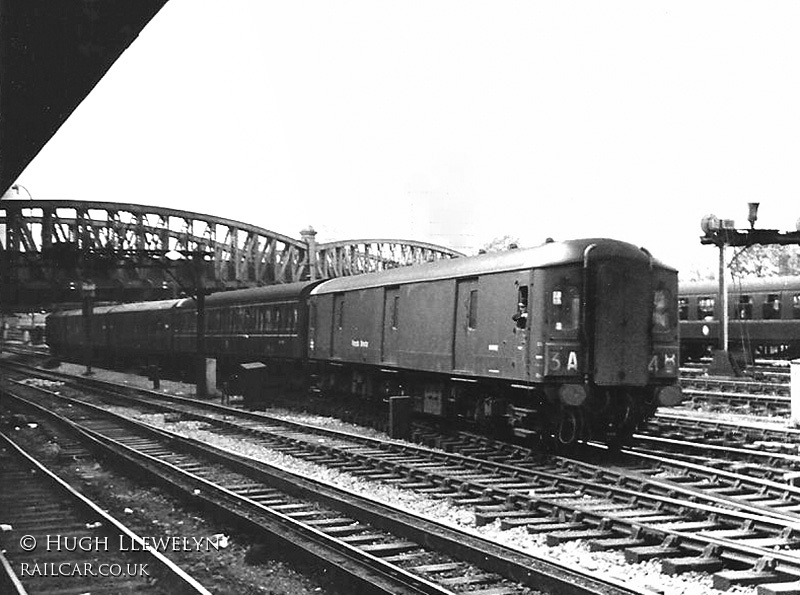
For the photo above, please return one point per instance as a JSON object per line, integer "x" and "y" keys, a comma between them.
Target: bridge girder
{"x": 48, "y": 247}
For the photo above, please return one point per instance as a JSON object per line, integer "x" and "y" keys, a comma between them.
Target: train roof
{"x": 144, "y": 306}
{"x": 254, "y": 295}
{"x": 762, "y": 284}
{"x": 547, "y": 255}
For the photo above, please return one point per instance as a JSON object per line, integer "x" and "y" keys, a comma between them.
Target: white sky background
{"x": 452, "y": 122}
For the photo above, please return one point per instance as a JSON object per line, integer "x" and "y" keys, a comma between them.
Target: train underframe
{"x": 535, "y": 414}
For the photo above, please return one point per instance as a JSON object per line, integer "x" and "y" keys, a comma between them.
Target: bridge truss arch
{"x": 49, "y": 247}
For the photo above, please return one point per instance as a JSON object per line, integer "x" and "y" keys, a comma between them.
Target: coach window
{"x": 796, "y": 306}
{"x": 744, "y": 309}
{"x": 565, "y": 308}
{"x": 472, "y": 319}
{"x": 340, "y": 314}
{"x": 683, "y": 308}
{"x": 294, "y": 319}
{"x": 705, "y": 308}
{"x": 771, "y": 310}
{"x": 520, "y": 317}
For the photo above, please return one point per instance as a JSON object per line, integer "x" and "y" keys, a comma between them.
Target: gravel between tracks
{"x": 646, "y": 575}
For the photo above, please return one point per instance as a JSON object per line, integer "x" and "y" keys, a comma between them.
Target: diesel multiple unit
{"x": 567, "y": 341}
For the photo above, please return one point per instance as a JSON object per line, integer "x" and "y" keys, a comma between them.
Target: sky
{"x": 451, "y": 122}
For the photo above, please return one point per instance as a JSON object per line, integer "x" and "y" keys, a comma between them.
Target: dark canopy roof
{"x": 52, "y": 54}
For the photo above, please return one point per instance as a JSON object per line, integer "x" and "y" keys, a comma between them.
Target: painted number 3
{"x": 556, "y": 365}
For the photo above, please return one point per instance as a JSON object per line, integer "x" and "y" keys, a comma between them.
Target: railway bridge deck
{"x": 50, "y": 249}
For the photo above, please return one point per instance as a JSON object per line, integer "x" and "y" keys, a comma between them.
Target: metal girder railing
{"x": 50, "y": 243}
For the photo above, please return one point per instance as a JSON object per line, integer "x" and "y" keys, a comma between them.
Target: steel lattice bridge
{"x": 50, "y": 249}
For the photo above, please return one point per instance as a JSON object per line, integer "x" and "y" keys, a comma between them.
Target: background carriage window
{"x": 683, "y": 308}
{"x": 744, "y": 309}
{"x": 771, "y": 310}
{"x": 705, "y": 308}
{"x": 566, "y": 308}
{"x": 293, "y": 326}
{"x": 472, "y": 319}
{"x": 796, "y": 306}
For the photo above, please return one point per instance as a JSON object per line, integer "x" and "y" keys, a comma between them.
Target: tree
{"x": 501, "y": 244}
{"x": 765, "y": 261}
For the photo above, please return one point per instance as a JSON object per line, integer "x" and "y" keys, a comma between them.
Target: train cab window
{"x": 771, "y": 309}
{"x": 796, "y": 306}
{"x": 683, "y": 308}
{"x": 662, "y": 317}
{"x": 705, "y": 308}
{"x": 472, "y": 317}
{"x": 565, "y": 308}
{"x": 744, "y": 309}
{"x": 520, "y": 317}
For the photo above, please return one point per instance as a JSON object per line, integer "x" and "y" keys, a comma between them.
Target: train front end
{"x": 610, "y": 344}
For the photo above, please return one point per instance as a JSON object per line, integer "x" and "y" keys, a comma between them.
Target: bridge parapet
{"x": 46, "y": 247}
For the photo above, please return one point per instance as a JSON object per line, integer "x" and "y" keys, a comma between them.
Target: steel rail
{"x": 520, "y": 566}
{"x": 170, "y": 573}
{"x": 603, "y": 483}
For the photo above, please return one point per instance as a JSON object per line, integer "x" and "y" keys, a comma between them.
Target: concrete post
{"x": 794, "y": 419}
{"x": 210, "y": 376}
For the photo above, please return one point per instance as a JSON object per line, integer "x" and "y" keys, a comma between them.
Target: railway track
{"x": 689, "y": 523}
{"x": 381, "y": 548}
{"x": 59, "y": 541}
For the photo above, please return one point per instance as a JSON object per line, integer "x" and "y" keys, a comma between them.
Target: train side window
{"x": 705, "y": 308}
{"x": 395, "y": 311}
{"x": 294, "y": 319}
{"x": 744, "y": 309}
{"x": 268, "y": 319}
{"x": 520, "y": 317}
{"x": 472, "y": 318}
{"x": 771, "y": 309}
{"x": 566, "y": 308}
{"x": 340, "y": 314}
{"x": 796, "y": 306}
{"x": 278, "y": 319}
{"x": 683, "y": 308}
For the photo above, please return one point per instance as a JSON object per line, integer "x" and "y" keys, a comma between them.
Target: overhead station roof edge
{"x": 53, "y": 54}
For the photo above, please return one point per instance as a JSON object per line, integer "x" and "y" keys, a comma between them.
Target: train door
{"x": 391, "y": 317}
{"x": 337, "y": 326}
{"x": 622, "y": 301}
{"x": 466, "y": 325}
